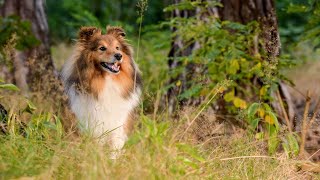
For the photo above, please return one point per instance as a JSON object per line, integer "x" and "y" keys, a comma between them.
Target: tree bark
{"x": 179, "y": 49}
{"x": 33, "y": 69}
{"x": 242, "y": 11}
{"x": 32, "y": 66}
{"x": 262, "y": 11}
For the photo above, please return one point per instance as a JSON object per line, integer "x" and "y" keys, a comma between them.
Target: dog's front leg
{"x": 118, "y": 137}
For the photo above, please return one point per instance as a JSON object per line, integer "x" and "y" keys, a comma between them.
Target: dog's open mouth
{"x": 112, "y": 67}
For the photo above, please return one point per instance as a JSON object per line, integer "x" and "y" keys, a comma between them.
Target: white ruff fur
{"x": 106, "y": 116}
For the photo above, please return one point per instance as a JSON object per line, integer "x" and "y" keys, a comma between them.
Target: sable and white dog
{"x": 103, "y": 84}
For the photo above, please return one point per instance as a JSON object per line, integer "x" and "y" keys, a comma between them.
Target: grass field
{"x": 153, "y": 152}
{"x": 160, "y": 148}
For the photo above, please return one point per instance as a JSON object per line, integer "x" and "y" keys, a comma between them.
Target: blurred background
{"x": 151, "y": 28}
{"x": 213, "y": 81}
{"x": 65, "y": 17}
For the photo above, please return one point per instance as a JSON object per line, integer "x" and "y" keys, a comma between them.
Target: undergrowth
{"x": 161, "y": 148}
{"x": 154, "y": 150}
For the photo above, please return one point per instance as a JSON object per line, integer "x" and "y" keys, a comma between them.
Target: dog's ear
{"x": 86, "y": 33}
{"x": 116, "y": 31}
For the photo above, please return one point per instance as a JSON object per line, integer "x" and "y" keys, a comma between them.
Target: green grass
{"x": 154, "y": 151}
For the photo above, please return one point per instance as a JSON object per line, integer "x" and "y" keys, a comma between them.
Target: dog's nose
{"x": 118, "y": 56}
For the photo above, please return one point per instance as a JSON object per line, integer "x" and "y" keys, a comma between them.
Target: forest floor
{"x": 160, "y": 148}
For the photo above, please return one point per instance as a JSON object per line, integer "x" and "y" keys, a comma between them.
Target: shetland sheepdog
{"x": 103, "y": 84}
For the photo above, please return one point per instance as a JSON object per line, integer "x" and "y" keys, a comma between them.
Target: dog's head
{"x": 105, "y": 51}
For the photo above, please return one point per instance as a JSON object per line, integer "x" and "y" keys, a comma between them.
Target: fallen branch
{"x": 246, "y": 157}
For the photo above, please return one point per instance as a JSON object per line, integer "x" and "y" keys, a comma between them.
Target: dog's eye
{"x": 117, "y": 48}
{"x": 103, "y": 48}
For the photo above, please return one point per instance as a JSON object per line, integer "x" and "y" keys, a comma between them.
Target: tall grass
{"x": 152, "y": 152}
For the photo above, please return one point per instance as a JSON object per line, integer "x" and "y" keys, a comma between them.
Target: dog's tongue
{"x": 115, "y": 67}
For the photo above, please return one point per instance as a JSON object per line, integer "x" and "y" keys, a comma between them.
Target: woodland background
{"x": 231, "y": 89}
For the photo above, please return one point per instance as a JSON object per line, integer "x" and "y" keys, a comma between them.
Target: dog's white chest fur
{"x": 104, "y": 117}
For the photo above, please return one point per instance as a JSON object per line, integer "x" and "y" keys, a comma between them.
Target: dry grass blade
{"x": 313, "y": 154}
{"x": 156, "y": 104}
{"x": 304, "y": 125}
{"x": 310, "y": 167}
{"x": 245, "y": 157}
{"x": 215, "y": 91}
{"x": 284, "y": 112}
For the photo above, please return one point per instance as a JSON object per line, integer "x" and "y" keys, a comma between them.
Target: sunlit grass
{"x": 152, "y": 152}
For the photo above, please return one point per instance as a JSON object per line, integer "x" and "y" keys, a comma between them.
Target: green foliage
{"x": 227, "y": 51}
{"x": 11, "y": 87}
{"x": 30, "y": 108}
{"x": 312, "y": 28}
{"x": 151, "y": 131}
{"x": 299, "y": 21}
{"x": 44, "y": 126}
{"x": 232, "y": 51}
{"x": 65, "y": 17}
{"x": 15, "y": 34}
{"x": 13, "y": 25}
{"x": 290, "y": 145}
{"x": 291, "y": 25}
{"x": 190, "y": 5}
{"x": 25, "y": 147}
{"x": 261, "y": 113}
{"x": 153, "y": 53}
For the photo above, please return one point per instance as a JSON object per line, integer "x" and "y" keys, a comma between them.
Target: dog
{"x": 103, "y": 84}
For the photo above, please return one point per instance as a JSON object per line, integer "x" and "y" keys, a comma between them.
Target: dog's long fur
{"x": 103, "y": 101}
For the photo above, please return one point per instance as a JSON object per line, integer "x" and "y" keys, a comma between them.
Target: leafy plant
{"x": 11, "y": 87}
{"x": 227, "y": 50}
{"x": 290, "y": 145}
{"x": 262, "y": 114}
{"x": 232, "y": 51}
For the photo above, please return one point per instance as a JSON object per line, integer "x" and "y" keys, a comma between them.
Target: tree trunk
{"x": 263, "y": 11}
{"x": 34, "y": 66}
{"x": 242, "y": 11}
{"x": 33, "y": 69}
{"x": 179, "y": 49}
